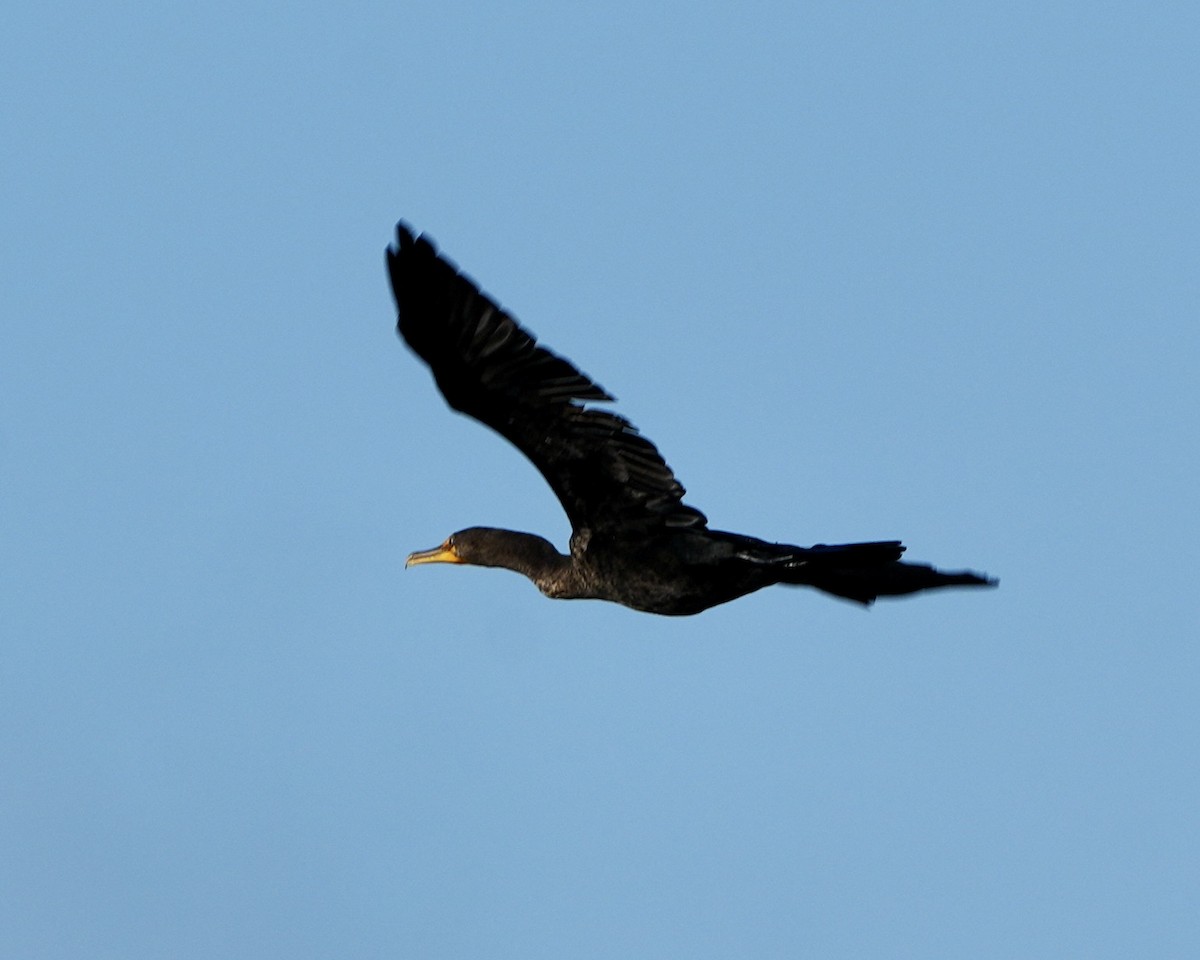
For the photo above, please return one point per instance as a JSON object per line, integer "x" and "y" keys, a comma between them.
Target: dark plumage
{"x": 634, "y": 541}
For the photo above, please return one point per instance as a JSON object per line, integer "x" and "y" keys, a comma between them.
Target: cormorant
{"x": 633, "y": 541}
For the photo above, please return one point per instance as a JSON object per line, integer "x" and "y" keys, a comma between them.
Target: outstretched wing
{"x": 605, "y": 473}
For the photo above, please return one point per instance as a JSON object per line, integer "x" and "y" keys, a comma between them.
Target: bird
{"x": 633, "y": 539}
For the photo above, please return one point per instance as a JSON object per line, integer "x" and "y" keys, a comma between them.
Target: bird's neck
{"x": 533, "y": 557}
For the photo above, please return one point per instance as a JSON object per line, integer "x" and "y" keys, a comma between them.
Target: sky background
{"x": 861, "y": 270}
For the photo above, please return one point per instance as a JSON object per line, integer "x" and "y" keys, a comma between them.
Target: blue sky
{"x": 923, "y": 270}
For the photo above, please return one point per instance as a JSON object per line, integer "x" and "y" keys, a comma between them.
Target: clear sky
{"x": 861, "y": 270}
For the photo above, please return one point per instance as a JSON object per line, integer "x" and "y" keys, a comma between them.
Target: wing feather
{"x": 605, "y": 473}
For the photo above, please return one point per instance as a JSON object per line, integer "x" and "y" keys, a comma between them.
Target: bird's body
{"x": 677, "y": 572}
{"x": 633, "y": 541}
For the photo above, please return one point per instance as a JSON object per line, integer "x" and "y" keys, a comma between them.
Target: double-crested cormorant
{"x": 633, "y": 540}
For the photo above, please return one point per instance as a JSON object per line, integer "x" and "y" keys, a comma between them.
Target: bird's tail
{"x": 864, "y": 571}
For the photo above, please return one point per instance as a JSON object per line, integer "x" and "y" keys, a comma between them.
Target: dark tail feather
{"x": 864, "y": 571}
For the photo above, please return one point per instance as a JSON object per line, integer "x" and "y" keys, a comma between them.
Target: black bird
{"x": 633, "y": 541}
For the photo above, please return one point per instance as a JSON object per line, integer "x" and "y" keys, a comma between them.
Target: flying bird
{"x": 633, "y": 539}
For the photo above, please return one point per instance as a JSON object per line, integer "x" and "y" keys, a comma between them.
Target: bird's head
{"x": 490, "y": 547}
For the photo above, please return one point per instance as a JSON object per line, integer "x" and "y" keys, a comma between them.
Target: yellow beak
{"x": 443, "y": 554}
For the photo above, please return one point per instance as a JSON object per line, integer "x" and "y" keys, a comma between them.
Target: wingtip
{"x": 405, "y": 240}
{"x": 410, "y": 246}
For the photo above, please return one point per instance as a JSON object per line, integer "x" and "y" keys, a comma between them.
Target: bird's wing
{"x": 605, "y": 473}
